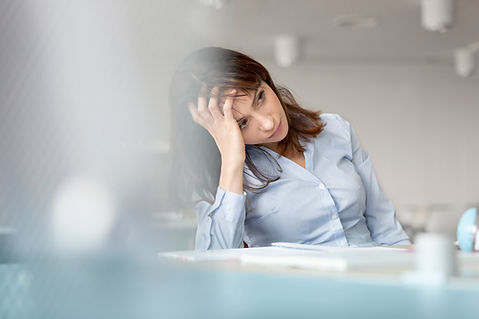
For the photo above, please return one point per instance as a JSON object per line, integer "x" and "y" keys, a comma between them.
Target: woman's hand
{"x": 223, "y": 128}
{"x": 227, "y": 135}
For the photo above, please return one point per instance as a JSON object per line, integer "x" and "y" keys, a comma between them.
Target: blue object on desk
{"x": 467, "y": 230}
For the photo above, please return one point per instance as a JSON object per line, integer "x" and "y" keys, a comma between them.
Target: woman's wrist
{"x": 232, "y": 163}
{"x": 231, "y": 177}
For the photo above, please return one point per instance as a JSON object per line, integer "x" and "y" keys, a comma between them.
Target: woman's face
{"x": 261, "y": 117}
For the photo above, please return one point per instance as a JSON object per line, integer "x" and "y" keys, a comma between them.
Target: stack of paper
{"x": 307, "y": 257}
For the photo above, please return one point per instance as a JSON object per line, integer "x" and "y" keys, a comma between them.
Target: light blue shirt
{"x": 335, "y": 200}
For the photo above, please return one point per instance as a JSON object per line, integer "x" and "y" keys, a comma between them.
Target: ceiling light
{"x": 286, "y": 50}
{"x": 355, "y": 22}
{"x": 437, "y": 15}
{"x": 464, "y": 62}
{"x": 217, "y": 4}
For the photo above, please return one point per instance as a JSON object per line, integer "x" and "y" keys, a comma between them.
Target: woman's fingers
{"x": 207, "y": 115}
{"x": 194, "y": 113}
{"x": 202, "y": 98}
{"x": 228, "y": 107}
{"x": 213, "y": 104}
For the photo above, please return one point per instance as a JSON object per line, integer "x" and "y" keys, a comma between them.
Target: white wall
{"x": 419, "y": 123}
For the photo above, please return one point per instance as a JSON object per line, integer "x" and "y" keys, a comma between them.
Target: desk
{"x": 118, "y": 286}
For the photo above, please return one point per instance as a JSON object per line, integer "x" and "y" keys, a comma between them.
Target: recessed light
{"x": 355, "y": 22}
{"x": 217, "y": 4}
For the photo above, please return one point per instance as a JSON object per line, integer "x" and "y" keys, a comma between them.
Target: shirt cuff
{"x": 232, "y": 204}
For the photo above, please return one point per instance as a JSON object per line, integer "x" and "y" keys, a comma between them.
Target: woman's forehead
{"x": 242, "y": 104}
{"x": 243, "y": 100}
{"x": 241, "y": 96}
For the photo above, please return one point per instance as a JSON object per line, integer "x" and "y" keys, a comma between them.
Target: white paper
{"x": 305, "y": 256}
{"x": 322, "y": 248}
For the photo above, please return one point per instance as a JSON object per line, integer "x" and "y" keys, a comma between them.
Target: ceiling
{"x": 251, "y": 26}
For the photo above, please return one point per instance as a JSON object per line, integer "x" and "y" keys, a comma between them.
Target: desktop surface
{"x": 121, "y": 287}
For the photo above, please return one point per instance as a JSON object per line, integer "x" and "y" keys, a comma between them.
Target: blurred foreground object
{"x": 436, "y": 259}
{"x": 467, "y": 234}
{"x": 83, "y": 214}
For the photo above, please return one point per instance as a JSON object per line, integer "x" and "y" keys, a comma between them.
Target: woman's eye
{"x": 243, "y": 124}
{"x": 260, "y": 97}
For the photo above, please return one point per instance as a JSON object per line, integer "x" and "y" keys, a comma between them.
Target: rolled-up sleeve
{"x": 380, "y": 215}
{"x": 221, "y": 224}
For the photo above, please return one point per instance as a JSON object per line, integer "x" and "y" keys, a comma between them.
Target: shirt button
{"x": 322, "y": 187}
{"x": 335, "y": 216}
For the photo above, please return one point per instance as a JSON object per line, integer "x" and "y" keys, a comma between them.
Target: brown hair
{"x": 195, "y": 158}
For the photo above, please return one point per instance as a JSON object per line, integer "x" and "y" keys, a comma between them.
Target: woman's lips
{"x": 278, "y": 130}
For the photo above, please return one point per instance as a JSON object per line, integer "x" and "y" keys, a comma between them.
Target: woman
{"x": 262, "y": 168}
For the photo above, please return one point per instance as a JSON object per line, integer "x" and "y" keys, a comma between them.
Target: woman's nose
{"x": 266, "y": 122}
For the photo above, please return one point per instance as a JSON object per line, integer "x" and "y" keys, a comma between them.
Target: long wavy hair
{"x": 195, "y": 158}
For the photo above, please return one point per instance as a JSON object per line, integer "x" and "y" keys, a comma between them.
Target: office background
{"x": 84, "y": 125}
{"x": 85, "y": 87}
{"x": 376, "y": 65}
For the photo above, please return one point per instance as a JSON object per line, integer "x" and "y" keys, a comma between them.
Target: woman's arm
{"x": 221, "y": 125}
{"x": 380, "y": 214}
{"x": 221, "y": 225}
